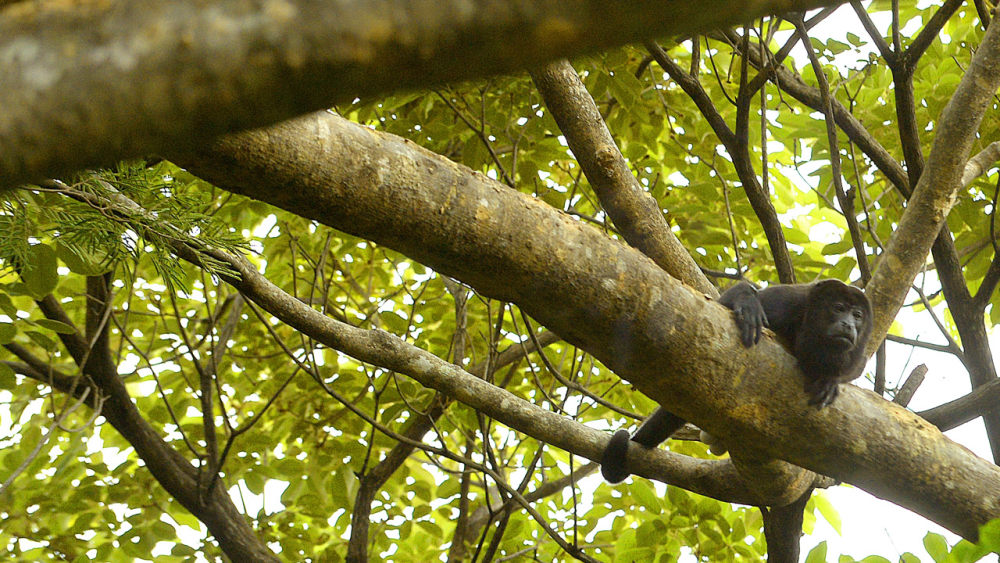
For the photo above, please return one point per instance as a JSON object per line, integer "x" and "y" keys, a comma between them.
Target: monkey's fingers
{"x": 751, "y": 319}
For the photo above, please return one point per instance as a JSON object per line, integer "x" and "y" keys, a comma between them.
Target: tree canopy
{"x": 401, "y": 328}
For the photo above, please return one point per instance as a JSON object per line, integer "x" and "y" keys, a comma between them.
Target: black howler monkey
{"x": 827, "y": 325}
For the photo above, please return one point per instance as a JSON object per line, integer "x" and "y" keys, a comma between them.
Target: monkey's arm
{"x": 785, "y": 306}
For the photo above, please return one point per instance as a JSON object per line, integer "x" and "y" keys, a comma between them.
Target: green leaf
{"x": 41, "y": 339}
{"x": 989, "y": 533}
{"x": 829, "y": 512}
{"x": 626, "y": 549}
{"x": 254, "y": 482}
{"x": 7, "y": 306}
{"x": 40, "y": 275}
{"x": 94, "y": 264}
{"x": 8, "y": 379}
{"x": 161, "y": 531}
{"x": 817, "y": 554}
{"x": 183, "y": 516}
{"x": 837, "y": 47}
{"x": 936, "y": 546}
{"x": 645, "y": 495}
{"x": 679, "y": 497}
{"x": 967, "y": 552}
{"x": 55, "y": 326}
{"x": 7, "y": 333}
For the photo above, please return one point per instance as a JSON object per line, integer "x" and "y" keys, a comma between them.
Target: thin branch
{"x": 876, "y": 36}
{"x": 910, "y": 385}
{"x": 736, "y": 144}
{"x": 928, "y": 34}
{"x": 846, "y": 201}
{"x": 944, "y": 348}
{"x": 981, "y": 163}
{"x": 44, "y": 440}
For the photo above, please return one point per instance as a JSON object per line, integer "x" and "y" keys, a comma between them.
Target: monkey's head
{"x": 834, "y": 331}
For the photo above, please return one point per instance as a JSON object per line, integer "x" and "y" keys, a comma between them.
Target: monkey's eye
{"x": 858, "y": 314}
{"x": 839, "y": 307}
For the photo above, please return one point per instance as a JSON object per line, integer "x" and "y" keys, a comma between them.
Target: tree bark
{"x": 113, "y": 80}
{"x": 606, "y": 298}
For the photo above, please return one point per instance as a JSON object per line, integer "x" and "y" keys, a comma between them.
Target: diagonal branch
{"x": 936, "y": 190}
{"x": 712, "y": 478}
{"x": 717, "y": 479}
{"x": 635, "y": 212}
{"x": 792, "y": 84}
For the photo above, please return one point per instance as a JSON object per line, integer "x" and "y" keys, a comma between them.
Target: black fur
{"x": 827, "y": 325}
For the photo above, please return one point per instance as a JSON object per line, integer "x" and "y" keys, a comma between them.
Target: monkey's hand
{"x": 750, "y": 317}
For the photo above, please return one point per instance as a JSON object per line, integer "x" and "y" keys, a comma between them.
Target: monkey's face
{"x": 838, "y": 316}
{"x": 843, "y": 323}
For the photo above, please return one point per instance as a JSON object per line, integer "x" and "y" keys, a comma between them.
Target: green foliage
{"x": 965, "y": 551}
{"x": 297, "y": 452}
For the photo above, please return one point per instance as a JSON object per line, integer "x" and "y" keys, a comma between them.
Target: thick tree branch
{"x": 981, "y": 163}
{"x": 935, "y": 192}
{"x": 639, "y": 219}
{"x": 635, "y": 213}
{"x": 969, "y": 320}
{"x": 783, "y": 529}
{"x": 600, "y": 295}
{"x": 971, "y": 324}
{"x": 111, "y": 80}
{"x": 963, "y": 409}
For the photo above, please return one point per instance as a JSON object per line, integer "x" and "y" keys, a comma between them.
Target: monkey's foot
{"x": 822, "y": 392}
